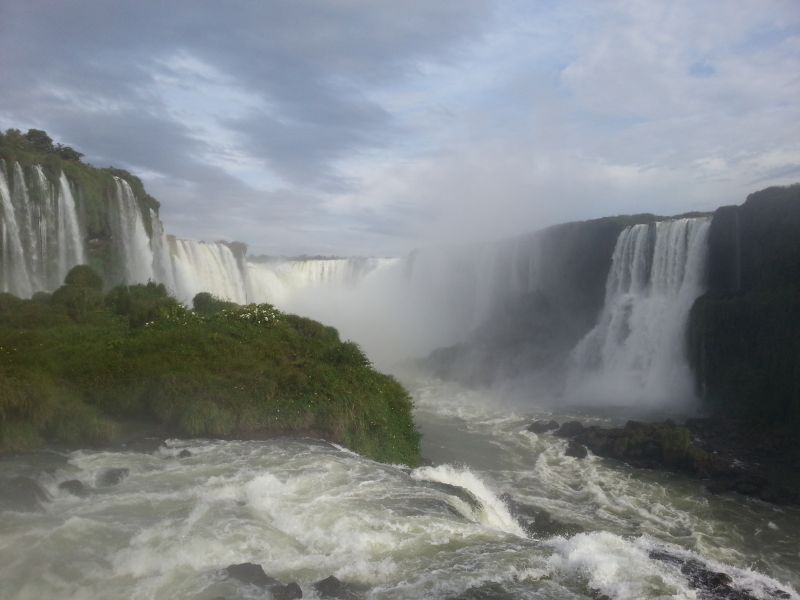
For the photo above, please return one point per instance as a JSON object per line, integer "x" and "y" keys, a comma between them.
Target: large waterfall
{"x": 208, "y": 267}
{"x": 636, "y": 352}
{"x": 435, "y": 297}
{"x": 40, "y": 236}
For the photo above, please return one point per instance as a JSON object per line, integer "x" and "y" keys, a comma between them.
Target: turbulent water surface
{"x": 306, "y": 509}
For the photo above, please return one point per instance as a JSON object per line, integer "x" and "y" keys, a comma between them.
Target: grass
{"x": 75, "y": 369}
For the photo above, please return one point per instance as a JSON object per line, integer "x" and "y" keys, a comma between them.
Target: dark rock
{"x": 22, "y": 494}
{"x": 252, "y": 574}
{"x": 712, "y": 585}
{"x": 649, "y": 445}
{"x": 112, "y": 476}
{"x": 576, "y": 450}
{"x": 74, "y": 487}
{"x": 459, "y": 492}
{"x": 538, "y": 522}
{"x": 184, "y": 453}
{"x": 290, "y": 591}
{"x": 570, "y": 429}
{"x": 330, "y": 587}
{"x": 486, "y": 591}
{"x": 542, "y": 426}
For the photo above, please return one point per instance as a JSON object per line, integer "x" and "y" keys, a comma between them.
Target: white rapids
{"x": 305, "y": 509}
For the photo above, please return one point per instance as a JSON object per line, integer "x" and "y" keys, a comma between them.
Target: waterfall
{"x": 207, "y": 267}
{"x": 131, "y": 241}
{"x": 636, "y": 350}
{"x": 41, "y": 235}
{"x": 15, "y": 278}
{"x": 281, "y": 281}
{"x": 70, "y": 240}
{"x": 163, "y": 266}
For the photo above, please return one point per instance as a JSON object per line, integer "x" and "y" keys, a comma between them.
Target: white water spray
{"x": 636, "y": 350}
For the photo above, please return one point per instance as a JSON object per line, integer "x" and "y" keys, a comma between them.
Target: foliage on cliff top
{"x": 35, "y": 147}
{"x": 77, "y": 374}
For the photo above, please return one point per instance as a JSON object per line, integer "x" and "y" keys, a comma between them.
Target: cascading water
{"x": 15, "y": 277}
{"x": 280, "y": 280}
{"x": 162, "y": 259}
{"x": 131, "y": 241}
{"x": 636, "y": 350}
{"x": 70, "y": 240}
{"x": 41, "y": 235}
{"x": 207, "y": 267}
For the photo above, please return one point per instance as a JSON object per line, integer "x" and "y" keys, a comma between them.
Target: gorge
{"x": 597, "y": 321}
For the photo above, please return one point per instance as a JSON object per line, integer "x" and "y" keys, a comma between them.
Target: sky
{"x": 344, "y": 127}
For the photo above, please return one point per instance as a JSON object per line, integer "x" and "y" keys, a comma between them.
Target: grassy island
{"x": 79, "y": 366}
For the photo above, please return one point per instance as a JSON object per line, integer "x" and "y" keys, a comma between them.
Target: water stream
{"x": 306, "y": 509}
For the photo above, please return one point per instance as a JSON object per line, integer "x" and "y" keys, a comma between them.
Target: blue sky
{"x": 344, "y": 127}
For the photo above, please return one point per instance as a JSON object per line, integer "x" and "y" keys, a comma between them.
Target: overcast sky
{"x": 372, "y": 127}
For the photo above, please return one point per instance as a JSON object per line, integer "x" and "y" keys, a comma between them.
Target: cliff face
{"x": 56, "y": 213}
{"x": 532, "y": 327}
{"x": 744, "y": 333}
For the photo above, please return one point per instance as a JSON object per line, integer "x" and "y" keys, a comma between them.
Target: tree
{"x": 68, "y": 153}
{"x": 39, "y": 140}
{"x": 84, "y": 276}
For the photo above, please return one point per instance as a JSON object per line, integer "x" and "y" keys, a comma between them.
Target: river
{"x": 471, "y": 522}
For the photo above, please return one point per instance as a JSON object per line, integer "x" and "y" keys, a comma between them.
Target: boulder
{"x": 457, "y": 491}
{"x": 111, "y": 477}
{"x": 538, "y": 522}
{"x": 290, "y": 591}
{"x": 576, "y": 450}
{"x": 542, "y": 426}
{"x": 22, "y": 494}
{"x": 570, "y": 429}
{"x": 251, "y": 573}
{"x": 184, "y": 453}
{"x": 330, "y": 587}
{"x": 74, "y": 487}
{"x": 649, "y": 445}
{"x": 486, "y": 591}
{"x": 711, "y": 585}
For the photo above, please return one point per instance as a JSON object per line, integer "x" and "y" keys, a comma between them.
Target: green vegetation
{"x": 77, "y": 367}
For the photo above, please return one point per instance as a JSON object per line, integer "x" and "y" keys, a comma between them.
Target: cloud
{"x": 348, "y": 127}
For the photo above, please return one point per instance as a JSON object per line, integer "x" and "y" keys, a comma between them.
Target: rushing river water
{"x": 305, "y": 510}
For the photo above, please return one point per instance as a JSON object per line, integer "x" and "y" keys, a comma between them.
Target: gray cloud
{"x": 334, "y": 126}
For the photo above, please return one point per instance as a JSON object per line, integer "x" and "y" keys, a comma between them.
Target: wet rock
{"x": 251, "y": 573}
{"x": 22, "y": 494}
{"x": 576, "y": 450}
{"x": 74, "y": 487}
{"x": 184, "y": 453}
{"x": 111, "y": 477}
{"x": 290, "y": 591}
{"x": 570, "y": 429}
{"x": 711, "y": 585}
{"x": 486, "y": 591}
{"x": 459, "y": 492}
{"x": 330, "y": 587}
{"x": 649, "y": 445}
{"x": 538, "y": 522}
{"x": 542, "y": 426}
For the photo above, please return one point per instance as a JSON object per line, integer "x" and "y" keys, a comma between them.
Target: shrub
{"x": 84, "y": 276}
{"x": 205, "y": 303}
